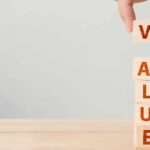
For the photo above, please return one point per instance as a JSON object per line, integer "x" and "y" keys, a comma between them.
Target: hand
{"x": 127, "y": 12}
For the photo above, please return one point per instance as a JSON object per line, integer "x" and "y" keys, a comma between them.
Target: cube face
{"x": 142, "y": 137}
{"x": 141, "y": 31}
{"x": 141, "y": 69}
{"x": 142, "y": 91}
{"x": 142, "y": 114}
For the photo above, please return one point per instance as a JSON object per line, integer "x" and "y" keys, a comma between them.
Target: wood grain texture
{"x": 66, "y": 135}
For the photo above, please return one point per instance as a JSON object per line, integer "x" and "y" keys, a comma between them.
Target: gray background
{"x": 66, "y": 59}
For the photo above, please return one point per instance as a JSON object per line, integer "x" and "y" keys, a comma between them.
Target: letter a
{"x": 144, "y": 69}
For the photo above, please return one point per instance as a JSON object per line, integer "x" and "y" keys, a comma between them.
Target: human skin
{"x": 127, "y": 12}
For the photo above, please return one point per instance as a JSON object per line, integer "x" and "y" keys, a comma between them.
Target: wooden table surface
{"x": 66, "y": 135}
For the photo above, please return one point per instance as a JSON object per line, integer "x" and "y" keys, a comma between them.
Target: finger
{"x": 139, "y": 1}
{"x": 127, "y": 13}
{"x": 129, "y": 17}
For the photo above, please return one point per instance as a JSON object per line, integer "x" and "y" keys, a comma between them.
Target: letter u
{"x": 143, "y": 114}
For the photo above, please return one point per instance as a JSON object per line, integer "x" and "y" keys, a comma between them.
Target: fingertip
{"x": 128, "y": 26}
{"x": 130, "y": 30}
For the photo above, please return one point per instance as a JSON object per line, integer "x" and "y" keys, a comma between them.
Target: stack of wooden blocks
{"x": 141, "y": 75}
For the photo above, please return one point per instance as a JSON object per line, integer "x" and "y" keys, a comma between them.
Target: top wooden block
{"x": 141, "y": 69}
{"x": 141, "y": 31}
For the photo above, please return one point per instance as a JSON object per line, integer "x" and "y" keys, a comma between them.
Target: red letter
{"x": 144, "y": 34}
{"x": 146, "y": 136}
{"x": 144, "y": 69}
{"x": 144, "y": 92}
{"x": 142, "y": 115}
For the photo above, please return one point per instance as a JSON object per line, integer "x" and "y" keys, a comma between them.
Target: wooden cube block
{"x": 141, "y": 31}
{"x": 142, "y": 91}
{"x": 141, "y": 68}
{"x": 142, "y": 114}
{"x": 142, "y": 137}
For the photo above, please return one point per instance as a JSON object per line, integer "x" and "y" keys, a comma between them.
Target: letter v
{"x": 144, "y": 34}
